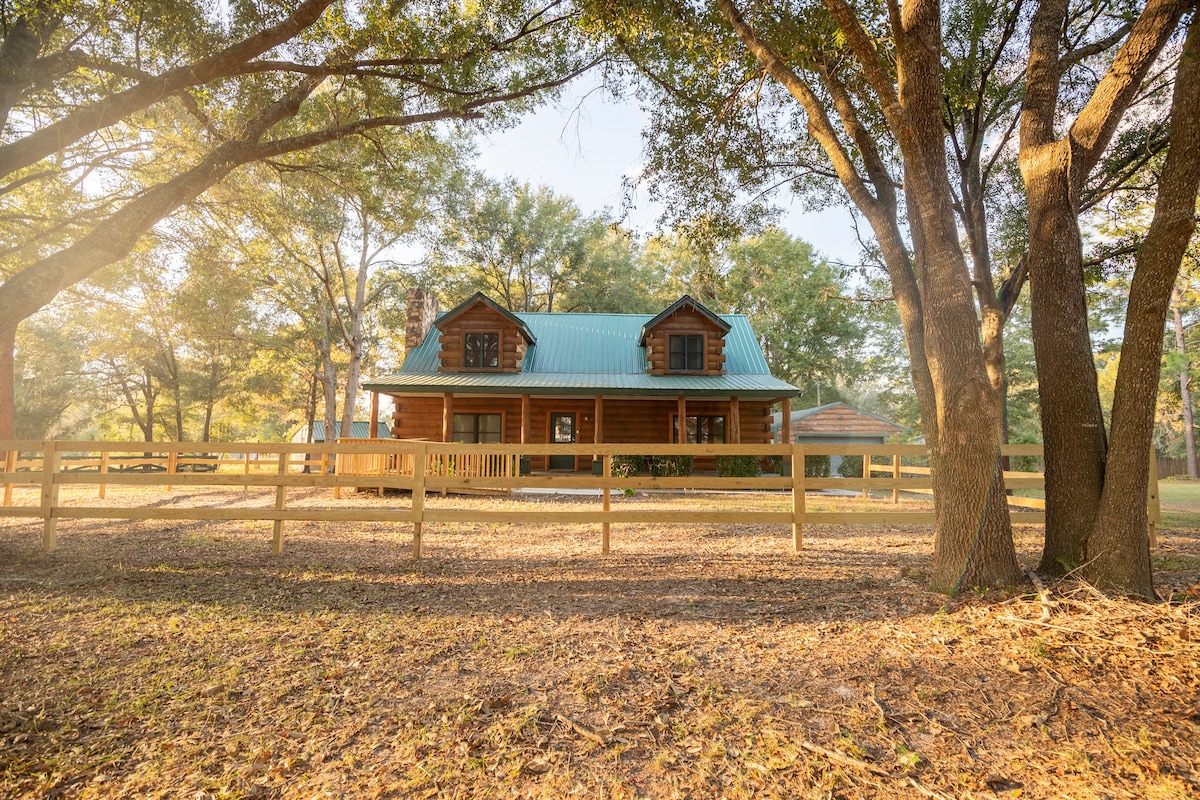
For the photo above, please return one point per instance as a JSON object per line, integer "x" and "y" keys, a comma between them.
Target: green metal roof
{"x": 360, "y": 429}
{"x": 592, "y": 354}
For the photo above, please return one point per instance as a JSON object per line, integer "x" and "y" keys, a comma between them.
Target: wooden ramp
{"x": 476, "y": 468}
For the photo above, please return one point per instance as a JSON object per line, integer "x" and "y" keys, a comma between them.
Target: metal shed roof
{"x": 358, "y": 430}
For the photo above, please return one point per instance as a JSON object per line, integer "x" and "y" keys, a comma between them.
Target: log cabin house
{"x": 480, "y": 373}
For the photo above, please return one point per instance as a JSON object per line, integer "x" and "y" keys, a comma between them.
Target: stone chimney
{"x": 422, "y": 310}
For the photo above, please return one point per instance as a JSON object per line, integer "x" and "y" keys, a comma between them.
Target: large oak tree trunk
{"x": 8, "y": 395}
{"x": 1118, "y": 551}
{"x": 959, "y": 409}
{"x": 1055, "y": 169}
{"x": 1072, "y": 419}
{"x": 974, "y": 545}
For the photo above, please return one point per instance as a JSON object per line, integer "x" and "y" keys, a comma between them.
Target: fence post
{"x": 418, "y": 499}
{"x": 606, "y": 526}
{"x": 172, "y": 465}
{"x": 280, "y": 505}
{"x": 103, "y": 471}
{"x": 50, "y": 460}
{"x": 340, "y": 467}
{"x": 246, "y": 472}
{"x": 10, "y": 466}
{"x": 896, "y": 475}
{"x": 866, "y": 474}
{"x": 1153, "y": 508}
{"x": 797, "y": 498}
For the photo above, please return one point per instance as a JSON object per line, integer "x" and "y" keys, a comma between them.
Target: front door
{"x": 562, "y": 431}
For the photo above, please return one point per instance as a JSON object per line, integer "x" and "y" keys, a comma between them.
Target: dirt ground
{"x": 183, "y": 660}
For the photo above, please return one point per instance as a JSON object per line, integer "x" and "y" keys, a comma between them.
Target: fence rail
{"x": 422, "y": 467}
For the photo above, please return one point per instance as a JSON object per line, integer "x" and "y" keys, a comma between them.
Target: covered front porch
{"x": 475, "y": 418}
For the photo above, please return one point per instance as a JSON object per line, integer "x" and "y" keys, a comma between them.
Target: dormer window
{"x": 481, "y": 350}
{"x": 686, "y": 352}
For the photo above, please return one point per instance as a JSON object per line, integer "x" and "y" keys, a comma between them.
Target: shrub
{"x": 851, "y": 467}
{"x": 738, "y": 466}
{"x": 628, "y": 466}
{"x": 671, "y": 466}
{"x": 816, "y": 466}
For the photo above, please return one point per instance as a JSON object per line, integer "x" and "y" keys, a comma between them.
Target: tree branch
{"x": 44, "y": 141}
{"x": 1095, "y": 48}
{"x": 1093, "y": 128}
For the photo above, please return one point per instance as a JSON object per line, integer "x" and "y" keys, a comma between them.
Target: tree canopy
{"x": 115, "y": 115}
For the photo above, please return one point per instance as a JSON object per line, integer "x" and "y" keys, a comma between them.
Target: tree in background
{"x": 323, "y": 241}
{"x": 808, "y": 328}
{"x": 523, "y": 246}
{"x": 617, "y": 278}
{"x": 53, "y": 382}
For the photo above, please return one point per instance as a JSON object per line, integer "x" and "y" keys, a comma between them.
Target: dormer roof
{"x": 504, "y": 313}
{"x": 684, "y": 302}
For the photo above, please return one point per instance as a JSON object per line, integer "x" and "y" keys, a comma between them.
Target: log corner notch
{"x": 785, "y": 423}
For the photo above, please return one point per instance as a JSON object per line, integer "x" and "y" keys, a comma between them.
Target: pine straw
{"x": 182, "y": 660}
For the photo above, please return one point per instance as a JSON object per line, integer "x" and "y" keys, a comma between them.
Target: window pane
{"x": 471, "y": 350}
{"x": 491, "y": 350}
{"x": 481, "y": 350}
{"x": 706, "y": 430}
{"x": 695, "y": 352}
{"x": 563, "y": 428}
{"x": 490, "y": 428}
{"x": 686, "y": 353}
{"x": 464, "y": 428}
{"x": 678, "y": 352}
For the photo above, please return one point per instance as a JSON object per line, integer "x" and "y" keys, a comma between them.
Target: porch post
{"x": 447, "y": 416}
{"x": 525, "y": 419}
{"x": 733, "y": 434}
{"x": 682, "y": 419}
{"x": 374, "y": 415}
{"x": 599, "y": 437}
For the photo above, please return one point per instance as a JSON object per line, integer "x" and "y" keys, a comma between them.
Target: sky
{"x": 585, "y": 144}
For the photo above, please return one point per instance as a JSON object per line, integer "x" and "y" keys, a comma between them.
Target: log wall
{"x": 625, "y": 420}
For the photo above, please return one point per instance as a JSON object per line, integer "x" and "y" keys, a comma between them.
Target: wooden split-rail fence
{"x": 430, "y": 468}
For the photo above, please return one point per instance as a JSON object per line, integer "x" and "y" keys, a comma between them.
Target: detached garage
{"x": 837, "y": 423}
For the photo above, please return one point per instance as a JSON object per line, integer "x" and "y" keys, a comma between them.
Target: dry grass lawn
{"x": 183, "y": 660}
